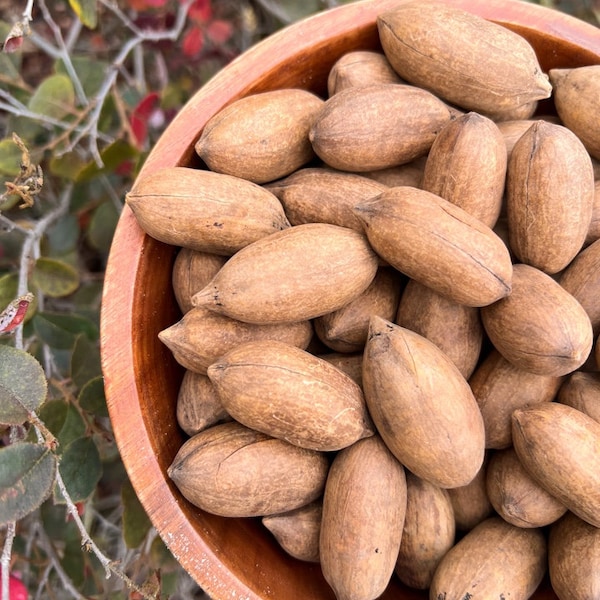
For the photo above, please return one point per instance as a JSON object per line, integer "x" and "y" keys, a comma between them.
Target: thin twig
{"x": 27, "y": 13}
{"x": 63, "y": 53}
{"x": 20, "y": 110}
{"x": 141, "y": 36}
{"x": 118, "y": 202}
{"x": 55, "y": 560}
{"x": 5, "y": 561}
{"x": 7, "y": 225}
{"x": 73, "y": 35}
{"x": 88, "y": 543}
{"x": 150, "y": 35}
{"x": 30, "y": 248}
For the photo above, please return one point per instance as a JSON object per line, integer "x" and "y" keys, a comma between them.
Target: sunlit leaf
{"x": 54, "y": 277}
{"x": 64, "y": 421}
{"x": 136, "y": 523}
{"x": 23, "y": 385}
{"x": 27, "y": 473}
{"x": 54, "y": 97}
{"x": 10, "y": 157}
{"x": 92, "y": 398}
{"x": 85, "y": 361}
{"x": 80, "y": 468}
{"x": 86, "y": 10}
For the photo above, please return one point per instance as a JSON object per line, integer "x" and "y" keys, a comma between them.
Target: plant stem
{"x": 5, "y": 561}
{"x": 89, "y": 544}
{"x": 30, "y": 248}
{"x": 63, "y": 53}
{"x": 55, "y": 560}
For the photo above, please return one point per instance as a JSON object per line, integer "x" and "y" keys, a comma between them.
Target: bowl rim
{"x": 130, "y": 245}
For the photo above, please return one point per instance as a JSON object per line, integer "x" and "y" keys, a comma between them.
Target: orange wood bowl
{"x": 237, "y": 558}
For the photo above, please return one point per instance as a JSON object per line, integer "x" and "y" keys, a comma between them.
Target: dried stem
{"x": 5, "y": 561}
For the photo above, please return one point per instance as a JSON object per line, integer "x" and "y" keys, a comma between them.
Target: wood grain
{"x": 233, "y": 558}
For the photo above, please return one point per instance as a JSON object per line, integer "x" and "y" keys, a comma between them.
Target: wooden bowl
{"x": 236, "y": 558}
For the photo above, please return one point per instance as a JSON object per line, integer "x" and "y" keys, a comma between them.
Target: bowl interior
{"x": 237, "y": 558}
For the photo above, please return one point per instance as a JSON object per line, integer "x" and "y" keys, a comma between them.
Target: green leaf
{"x": 102, "y": 226}
{"x": 62, "y": 237}
{"x": 56, "y": 525}
{"x": 54, "y": 97}
{"x": 67, "y": 165}
{"x": 112, "y": 156}
{"x": 80, "y": 468}
{"x": 73, "y": 561}
{"x": 90, "y": 70}
{"x": 23, "y": 385}
{"x": 27, "y": 473}
{"x": 64, "y": 421}
{"x": 136, "y": 523}
{"x": 289, "y": 11}
{"x": 85, "y": 361}
{"x": 92, "y": 398}
{"x": 60, "y": 331}
{"x": 55, "y": 278}
{"x": 10, "y": 200}
{"x": 9, "y": 285}
{"x": 160, "y": 556}
{"x": 10, "y": 157}
{"x": 30, "y": 131}
{"x": 87, "y": 11}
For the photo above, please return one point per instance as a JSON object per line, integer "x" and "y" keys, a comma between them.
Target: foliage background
{"x": 88, "y": 86}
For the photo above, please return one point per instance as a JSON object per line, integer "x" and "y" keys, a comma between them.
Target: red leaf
{"x": 219, "y": 31}
{"x": 200, "y": 11}
{"x": 193, "y": 41}
{"x": 140, "y": 116}
{"x": 12, "y": 316}
{"x": 125, "y": 168}
{"x": 14, "y": 39}
{"x": 12, "y": 44}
